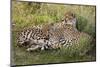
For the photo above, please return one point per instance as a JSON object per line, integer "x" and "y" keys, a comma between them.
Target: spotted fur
{"x": 52, "y": 36}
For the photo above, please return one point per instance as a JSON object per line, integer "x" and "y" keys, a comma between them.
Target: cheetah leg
{"x": 33, "y": 47}
{"x": 42, "y": 48}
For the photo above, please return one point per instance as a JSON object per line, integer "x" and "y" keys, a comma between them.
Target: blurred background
{"x": 25, "y": 14}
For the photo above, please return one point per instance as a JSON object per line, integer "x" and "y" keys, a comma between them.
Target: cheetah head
{"x": 69, "y": 19}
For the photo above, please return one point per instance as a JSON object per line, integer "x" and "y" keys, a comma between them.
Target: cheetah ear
{"x": 73, "y": 15}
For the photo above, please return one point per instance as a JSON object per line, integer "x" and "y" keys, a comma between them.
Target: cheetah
{"x": 65, "y": 33}
{"x": 53, "y": 35}
{"x": 33, "y": 36}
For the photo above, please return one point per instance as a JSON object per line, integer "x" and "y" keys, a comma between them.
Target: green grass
{"x": 25, "y": 14}
{"x": 71, "y": 54}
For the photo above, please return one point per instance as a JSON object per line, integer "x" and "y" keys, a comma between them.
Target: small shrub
{"x": 81, "y": 23}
